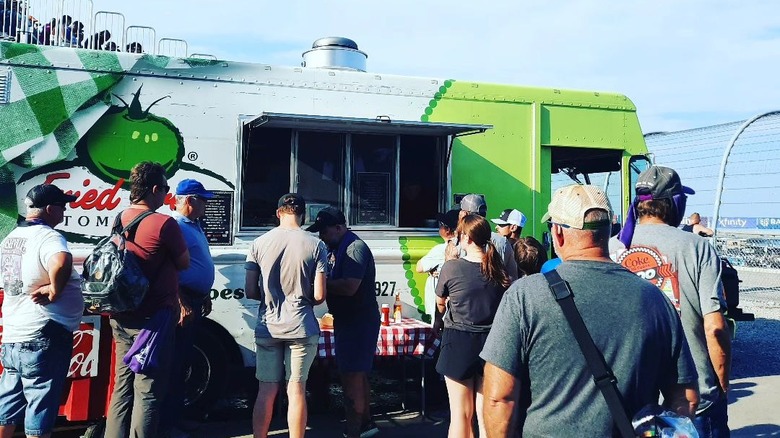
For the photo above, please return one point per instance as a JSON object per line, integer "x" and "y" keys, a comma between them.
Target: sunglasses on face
{"x": 166, "y": 188}
{"x": 502, "y": 225}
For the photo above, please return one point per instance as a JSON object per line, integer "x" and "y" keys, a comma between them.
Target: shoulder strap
{"x": 602, "y": 374}
{"x": 133, "y": 223}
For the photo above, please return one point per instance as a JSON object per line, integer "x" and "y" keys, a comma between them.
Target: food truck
{"x": 390, "y": 151}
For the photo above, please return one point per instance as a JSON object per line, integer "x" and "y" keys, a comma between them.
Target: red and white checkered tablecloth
{"x": 410, "y": 337}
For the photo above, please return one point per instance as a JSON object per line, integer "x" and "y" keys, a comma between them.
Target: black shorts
{"x": 459, "y": 356}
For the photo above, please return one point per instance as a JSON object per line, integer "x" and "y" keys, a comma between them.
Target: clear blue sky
{"x": 684, "y": 64}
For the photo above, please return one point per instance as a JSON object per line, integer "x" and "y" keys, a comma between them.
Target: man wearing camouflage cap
{"x": 687, "y": 269}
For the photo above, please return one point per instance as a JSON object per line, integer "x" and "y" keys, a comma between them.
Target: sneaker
{"x": 369, "y": 429}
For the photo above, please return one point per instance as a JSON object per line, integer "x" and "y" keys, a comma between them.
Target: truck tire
{"x": 96, "y": 430}
{"x": 206, "y": 377}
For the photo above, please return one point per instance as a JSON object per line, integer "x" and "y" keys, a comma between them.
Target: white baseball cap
{"x": 510, "y": 216}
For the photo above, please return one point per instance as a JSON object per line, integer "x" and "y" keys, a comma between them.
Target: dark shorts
{"x": 459, "y": 356}
{"x": 355, "y": 343}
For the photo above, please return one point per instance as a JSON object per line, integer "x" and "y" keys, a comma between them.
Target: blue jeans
{"x": 33, "y": 377}
{"x": 713, "y": 422}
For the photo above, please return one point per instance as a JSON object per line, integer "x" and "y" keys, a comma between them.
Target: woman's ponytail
{"x": 493, "y": 267}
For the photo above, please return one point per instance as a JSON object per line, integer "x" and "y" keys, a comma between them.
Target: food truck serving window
{"x": 381, "y": 173}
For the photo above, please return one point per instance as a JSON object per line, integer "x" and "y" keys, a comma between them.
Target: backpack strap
{"x": 133, "y": 223}
{"x": 602, "y": 375}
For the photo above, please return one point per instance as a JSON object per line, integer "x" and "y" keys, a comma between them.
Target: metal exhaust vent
{"x": 5, "y": 87}
{"x": 335, "y": 53}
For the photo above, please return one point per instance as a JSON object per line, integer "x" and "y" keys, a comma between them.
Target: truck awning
{"x": 378, "y": 125}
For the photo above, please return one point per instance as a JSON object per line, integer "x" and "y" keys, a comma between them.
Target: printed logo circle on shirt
{"x": 645, "y": 263}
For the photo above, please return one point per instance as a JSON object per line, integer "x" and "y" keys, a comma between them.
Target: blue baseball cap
{"x": 192, "y": 187}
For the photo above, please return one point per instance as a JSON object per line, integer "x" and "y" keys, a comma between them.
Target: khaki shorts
{"x": 284, "y": 359}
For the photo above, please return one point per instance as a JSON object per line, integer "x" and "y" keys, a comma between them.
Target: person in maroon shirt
{"x": 158, "y": 244}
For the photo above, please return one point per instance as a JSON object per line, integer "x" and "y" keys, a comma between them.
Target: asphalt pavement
{"x": 754, "y": 411}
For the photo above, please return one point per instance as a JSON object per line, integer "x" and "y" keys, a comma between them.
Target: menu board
{"x": 217, "y": 223}
{"x": 373, "y": 192}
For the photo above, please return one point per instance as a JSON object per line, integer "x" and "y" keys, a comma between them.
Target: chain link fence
{"x": 748, "y": 219}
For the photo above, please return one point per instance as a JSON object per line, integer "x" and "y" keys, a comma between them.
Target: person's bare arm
{"x": 719, "y": 346}
{"x": 252, "y": 284}
{"x": 182, "y": 262}
{"x": 346, "y": 287}
{"x": 682, "y": 399}
{"x": 320, "y": 287}
{"x": 441, "y": 304}
{"x": 701, "y": 230}
{"x": 500, "y": 391}
{"x": 60, "y": 267}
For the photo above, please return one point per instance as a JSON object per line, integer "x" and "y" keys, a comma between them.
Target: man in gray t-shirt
{"x": 285, "y": 271}
{"x": 687, "y": 269}
{"x": 533, "y": 362}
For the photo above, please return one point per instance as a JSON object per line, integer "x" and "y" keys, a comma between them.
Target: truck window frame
{"x": 354, "y": 136}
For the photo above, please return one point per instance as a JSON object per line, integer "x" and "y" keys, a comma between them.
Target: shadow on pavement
{"x": 758, "y": 430}
{"x": 740, "y": 390}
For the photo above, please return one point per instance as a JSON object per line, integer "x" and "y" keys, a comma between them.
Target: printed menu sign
{"x": 373, "y": 191}
{"x": 218, "y": 220}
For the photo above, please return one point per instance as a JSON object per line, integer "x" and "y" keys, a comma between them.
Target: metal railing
{"x": 72, "y": 23}
{"x": 140, "y": 39}
{"x": 46, "y": 22}
{"x": 172, "y": 47}
{"x": 756, "y": 258}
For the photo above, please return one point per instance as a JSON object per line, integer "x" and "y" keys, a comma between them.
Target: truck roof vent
{"x": 335, "y": 53}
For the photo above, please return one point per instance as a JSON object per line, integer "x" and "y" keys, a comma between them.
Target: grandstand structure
{"x": 76, "y": 23}
{"x": 735, "y": 170}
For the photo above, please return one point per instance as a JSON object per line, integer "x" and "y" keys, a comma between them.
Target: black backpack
{"x": 112, "y": 281}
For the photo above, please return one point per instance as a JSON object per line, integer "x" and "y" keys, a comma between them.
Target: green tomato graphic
{"x": 127, "y": 135}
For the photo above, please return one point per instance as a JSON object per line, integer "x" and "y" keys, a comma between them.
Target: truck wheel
{"x": 96, "y": 430}
{"x": 206, "y": 376}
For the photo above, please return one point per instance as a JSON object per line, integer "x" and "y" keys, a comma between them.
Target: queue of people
{"x": 507, "y": 356}
{"x": 530, "y": 377}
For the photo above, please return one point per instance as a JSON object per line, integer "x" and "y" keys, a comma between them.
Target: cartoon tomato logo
{"x": 127, "y": 135}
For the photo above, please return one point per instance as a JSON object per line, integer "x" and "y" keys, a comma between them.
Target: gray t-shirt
{"x": 507, "y": 253}
{"x": 288, "y": 260}
{"x": 473, "y": 298}
{"x": 687, "y": 269}
{"x": 631, "y": 323}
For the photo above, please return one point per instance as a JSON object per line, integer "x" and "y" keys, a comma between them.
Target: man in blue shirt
{"x": 194, "y": 287}
{"x": 352, "y": 302}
